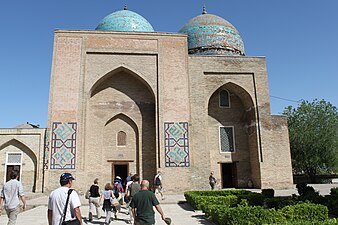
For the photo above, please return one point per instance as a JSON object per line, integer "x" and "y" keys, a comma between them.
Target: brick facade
{"x": 167, "y": 103}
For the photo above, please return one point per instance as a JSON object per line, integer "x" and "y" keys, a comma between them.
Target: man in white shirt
{"x": 10, "y": 194}
{"x": 158, "y": 188}
{"x": 57, "y": 201}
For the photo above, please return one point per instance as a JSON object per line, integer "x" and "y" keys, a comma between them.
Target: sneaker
{"x": 90, "y": 217}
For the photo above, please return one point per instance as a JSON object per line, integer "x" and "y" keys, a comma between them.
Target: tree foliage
{"x": 313, "y": 131}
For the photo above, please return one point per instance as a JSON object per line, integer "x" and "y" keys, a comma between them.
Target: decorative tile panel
{"x": 176, "y": 144}
{"x": 63, "y": 149}
{"x": 46, "y": 151}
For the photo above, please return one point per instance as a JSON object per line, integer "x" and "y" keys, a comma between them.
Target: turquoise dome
{"x": 125, "y": 20}
{"x": 212, "y": 35}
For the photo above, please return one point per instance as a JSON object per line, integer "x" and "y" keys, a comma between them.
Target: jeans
{"x": 12, "y": 215}
{"x": 131, "y": 217}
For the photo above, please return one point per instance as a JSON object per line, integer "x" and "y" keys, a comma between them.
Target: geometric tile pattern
{"x": 176, "y": 144}
{"x": 63, "y": 149}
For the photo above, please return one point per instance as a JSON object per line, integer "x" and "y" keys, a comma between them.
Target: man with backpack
{"x": 131, "y": 190}
{"x": 158, "y": 188}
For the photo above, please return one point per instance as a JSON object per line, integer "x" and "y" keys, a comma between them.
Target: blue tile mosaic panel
{"x": 63, "y": 149}
{"x": 176, "y": 144}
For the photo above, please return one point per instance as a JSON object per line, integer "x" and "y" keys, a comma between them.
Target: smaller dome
{"x": 209, "y": 34}
{"x": 125, "y": 20}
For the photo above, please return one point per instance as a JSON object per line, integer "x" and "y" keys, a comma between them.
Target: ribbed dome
{"x": 212, "y": 35}
{"x": 125, "y": 20}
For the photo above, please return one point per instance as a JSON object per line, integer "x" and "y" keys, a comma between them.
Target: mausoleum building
{"x": 125, "y": 98}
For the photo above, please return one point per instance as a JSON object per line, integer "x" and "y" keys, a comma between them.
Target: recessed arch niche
{"x": 241, "y": 117}
{"x": 122, "y": 96}
{"x": 29, "y": 162}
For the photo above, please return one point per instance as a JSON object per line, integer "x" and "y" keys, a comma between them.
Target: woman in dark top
{"x": 94, "y": 200}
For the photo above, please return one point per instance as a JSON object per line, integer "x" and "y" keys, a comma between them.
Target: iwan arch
{"x": 124, "y": 98}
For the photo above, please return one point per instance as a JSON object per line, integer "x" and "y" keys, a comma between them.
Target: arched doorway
{"x": 123, "y": 102}
{"x": 232, "y": 120}
{"x": 21, "y": 158}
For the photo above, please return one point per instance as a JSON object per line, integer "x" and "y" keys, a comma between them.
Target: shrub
{"x": 303, "y": 189}
{"x": 279, "y": 202}
{"x": 334, "y": 191}
{"x": 326, "y": 222}
{"x": 254, "y": 199}
{"x": 243, "y": 215}
{"x": 268, "y": 193}
{"x": 305, "y": 212}
{"x": 191, "y": 196}
{"x": 332, "y": 201}
{"x": 228, "y": 201}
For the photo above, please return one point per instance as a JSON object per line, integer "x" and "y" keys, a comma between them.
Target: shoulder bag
{"x": 113, "y": 200}
{"x": 69, "y": 222}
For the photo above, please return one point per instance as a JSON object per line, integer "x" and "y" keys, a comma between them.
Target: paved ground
{"x": 174, "y": 207}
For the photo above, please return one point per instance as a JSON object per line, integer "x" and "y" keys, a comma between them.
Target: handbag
{"x": 69, "y": 222}
{"x": 87, "y": 195}
{"x": 114, "y": 201}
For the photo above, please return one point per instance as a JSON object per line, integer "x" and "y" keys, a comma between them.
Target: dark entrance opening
{"x": 120, "y": 170}
{"x": 229, "y": 175}
{"x": 9, "y": 170}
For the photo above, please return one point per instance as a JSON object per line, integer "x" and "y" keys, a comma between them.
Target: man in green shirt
{"x": 142, "y": 206}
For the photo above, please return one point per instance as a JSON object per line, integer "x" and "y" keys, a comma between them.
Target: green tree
{"x": 313, "y": 131}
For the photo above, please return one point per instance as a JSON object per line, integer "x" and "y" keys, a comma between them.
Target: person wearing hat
{"x": 57, "y": 201}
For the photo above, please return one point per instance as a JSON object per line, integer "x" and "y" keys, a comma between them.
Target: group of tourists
{"x": 64, "y": 203}
{"x": 137, "y": 196}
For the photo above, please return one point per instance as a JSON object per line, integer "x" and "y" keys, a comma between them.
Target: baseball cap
{"x": 66, "y": 176}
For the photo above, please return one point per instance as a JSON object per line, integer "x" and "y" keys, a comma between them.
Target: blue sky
{"x": 298, "y": 37}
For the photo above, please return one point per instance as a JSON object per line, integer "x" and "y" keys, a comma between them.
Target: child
{"x": 107, "y": 201}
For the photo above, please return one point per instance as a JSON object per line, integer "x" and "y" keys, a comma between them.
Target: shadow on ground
{"x": 202, "y": 220}
{"x": 186, "y": 206}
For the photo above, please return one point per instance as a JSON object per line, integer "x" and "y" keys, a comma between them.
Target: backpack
{"x": 157, "y": 181}
{"x": 134, "y": 188}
